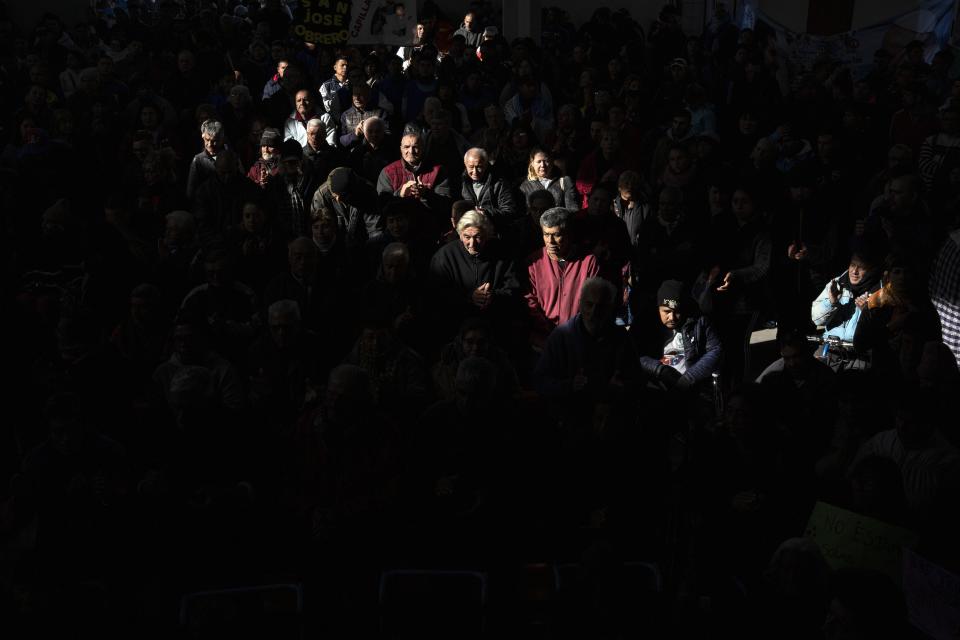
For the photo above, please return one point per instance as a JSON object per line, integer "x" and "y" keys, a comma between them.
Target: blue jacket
{"x": 701, "y": 348}
{"x": 841, "y": 319}
{"x": 570, "y": 349}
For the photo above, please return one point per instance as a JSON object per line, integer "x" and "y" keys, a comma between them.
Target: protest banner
{"x": 848, "y": 539}
{"x": 323, "y": 22}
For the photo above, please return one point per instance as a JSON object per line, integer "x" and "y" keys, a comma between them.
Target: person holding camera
{"x": 838, "y": 309}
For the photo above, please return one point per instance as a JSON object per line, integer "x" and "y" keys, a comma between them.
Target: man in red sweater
{"x": 556, "y": 273}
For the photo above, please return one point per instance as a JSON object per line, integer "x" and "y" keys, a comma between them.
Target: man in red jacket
{"x": 556, "y": 274}
{"x": 414, "y": 177}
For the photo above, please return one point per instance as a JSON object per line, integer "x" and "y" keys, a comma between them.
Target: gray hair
{"x": 315, "y": 122}
{"x": 606, "y": 288}
{"x": 212, "y": 127}
{"x": 476, "y": 151}
{"x": 411, "y": 130}
{"x": 284, "y": 308}
{"x": 555, "y": 217}
{"x": 395, "y": 249}
{"x": 477, "y": 374}
{"x": 474, "y": 218}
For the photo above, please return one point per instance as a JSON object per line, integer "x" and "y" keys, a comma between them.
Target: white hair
{"x": 605, "y": 287}
{"x": 474, "y": 218}
{"x": 284, "y": 308}
{"x": 476, "y": 151}
{"x": 314, "y": 122}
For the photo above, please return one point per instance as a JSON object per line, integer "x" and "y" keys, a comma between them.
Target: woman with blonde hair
{"x": 542, "y": 173}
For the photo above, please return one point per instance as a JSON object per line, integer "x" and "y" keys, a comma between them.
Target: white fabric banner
{"x": 383, "y": 21}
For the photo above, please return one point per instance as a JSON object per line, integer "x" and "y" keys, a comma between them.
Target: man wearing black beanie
{"x": 686, "y": 350}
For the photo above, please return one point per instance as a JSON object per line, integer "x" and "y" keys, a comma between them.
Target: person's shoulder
{"x": 445, "y": 254}
{"x": 564, "y": 329}
{"x": 535, "y": 257}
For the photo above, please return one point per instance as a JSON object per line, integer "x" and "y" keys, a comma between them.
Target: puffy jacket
{"x": 701, "y": 348}
{"x": 840, "y": 319}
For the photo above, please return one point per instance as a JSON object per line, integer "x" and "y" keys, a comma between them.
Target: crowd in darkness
{"x": 279, "y": 311}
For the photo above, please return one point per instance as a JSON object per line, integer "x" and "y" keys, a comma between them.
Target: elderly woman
{"x": 542, "y": 173}
{"x": 473, "y": 276}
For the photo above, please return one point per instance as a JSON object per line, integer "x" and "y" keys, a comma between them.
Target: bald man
{"x": 489, "y": 195}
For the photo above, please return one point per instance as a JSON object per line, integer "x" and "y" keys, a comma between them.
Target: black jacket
{"x": 456, "y": 274}
{"x": 562, "y": 189}
{"x": 494, "y": 198}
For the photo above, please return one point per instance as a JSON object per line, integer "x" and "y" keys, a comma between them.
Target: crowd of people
{"x": 285, "y": 310}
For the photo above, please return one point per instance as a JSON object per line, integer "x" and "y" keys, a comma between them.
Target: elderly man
{"x": 371, "y": 155}
{"x": 413, "y": 177}
{"x": 589, "y": 358}
{"x": 203, "y": 166}
{"x": 490, "y": 196}
{"x": 351, "y": 120}
{"x": 321, "y": 156}
{"x": 686, "y": 350}
{"x": 556, "y": 274}
{"x": 472, "y": 274}
{"x": 354, "y": 201}
{"x": 295, "y": 127}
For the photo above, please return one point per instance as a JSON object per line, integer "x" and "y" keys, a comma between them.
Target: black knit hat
{"x": 672, "y": 294}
